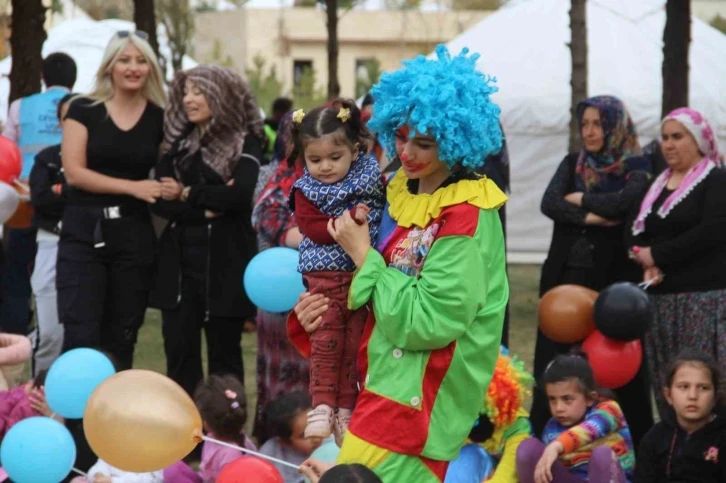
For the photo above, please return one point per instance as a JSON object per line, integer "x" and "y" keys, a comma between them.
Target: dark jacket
{"x": 696, "y": 458}
{"x": 605, "y": 245}
{"x": 231, "y": 238}
{"x": 48, "y": 205}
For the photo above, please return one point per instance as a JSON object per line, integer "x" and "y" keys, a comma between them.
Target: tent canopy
{"x": 525, "y": 46}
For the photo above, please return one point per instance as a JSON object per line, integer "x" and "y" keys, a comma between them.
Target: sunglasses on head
{"x": 122, "y": 34}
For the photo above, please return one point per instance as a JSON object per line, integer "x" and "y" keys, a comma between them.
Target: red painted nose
{"x": 404, "y": 157}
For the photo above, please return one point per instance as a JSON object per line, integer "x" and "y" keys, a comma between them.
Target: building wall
{"x": 286, "y": 35}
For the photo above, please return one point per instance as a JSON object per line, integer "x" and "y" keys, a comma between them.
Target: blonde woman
{"x": 111, "y": 140}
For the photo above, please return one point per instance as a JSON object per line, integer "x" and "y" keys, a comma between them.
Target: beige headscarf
{"x": 235, "y": 115}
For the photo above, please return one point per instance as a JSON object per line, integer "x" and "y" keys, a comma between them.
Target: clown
{"x": 502, "y": 425}
{"x": 435, "y": 279}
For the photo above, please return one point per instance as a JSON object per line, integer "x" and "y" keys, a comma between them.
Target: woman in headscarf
{"x": 588, "y": 199}
{"x": 679, "y": 239}
{"x": 213, "y": 139}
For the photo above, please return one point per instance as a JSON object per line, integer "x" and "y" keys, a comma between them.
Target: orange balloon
{"x": 566, "y": 313}
{"x": 141, "y": 421}
{"x": 23, "y": 216}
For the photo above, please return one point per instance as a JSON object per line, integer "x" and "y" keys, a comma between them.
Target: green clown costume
{"x": 436, "y": 285}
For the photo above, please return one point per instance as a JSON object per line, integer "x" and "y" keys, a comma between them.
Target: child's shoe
{"x": 320, "y": 422}
{"x": 340, "y": 426}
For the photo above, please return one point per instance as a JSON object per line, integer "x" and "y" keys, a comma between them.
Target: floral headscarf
{"x": 604, "y": 171}
{"x": 701, "y": 131}
{"x": 235, "y": 115}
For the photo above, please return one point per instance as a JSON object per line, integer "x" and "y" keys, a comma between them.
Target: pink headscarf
{"x": 701, "y": 131}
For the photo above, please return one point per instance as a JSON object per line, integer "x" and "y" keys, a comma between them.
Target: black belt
{"x": 113, "y": 213}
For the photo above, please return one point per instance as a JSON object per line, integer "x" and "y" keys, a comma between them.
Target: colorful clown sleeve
{"x": 601, "y": 421}
{"x": 437, "y": 308}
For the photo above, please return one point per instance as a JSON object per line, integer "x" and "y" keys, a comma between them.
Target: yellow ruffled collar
{"x": 408, "y": 209}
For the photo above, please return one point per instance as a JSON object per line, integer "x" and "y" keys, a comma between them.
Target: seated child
{"x": 221, "y": 402}
{"x": 587, "y": 438}
{"x": 15, "y": 351}
{"x": 689, "y": 445}
{"x": 339, "y": 177}
{"x": 102, "y": 472}
{"x": 26, "y": 400}
{"x": 287, "y": 418}
{"x": 501, "y": 427}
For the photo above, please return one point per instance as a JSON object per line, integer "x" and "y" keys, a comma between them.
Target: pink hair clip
{"x": 230, "y": 394}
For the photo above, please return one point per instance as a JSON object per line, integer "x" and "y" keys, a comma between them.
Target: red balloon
{"x": 249, "y": 469}
{"x": 11, "y": 162}
{"x": 614, "y": 363}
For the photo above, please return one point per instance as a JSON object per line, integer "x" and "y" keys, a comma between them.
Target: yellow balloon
{"x": 141, "y": 421}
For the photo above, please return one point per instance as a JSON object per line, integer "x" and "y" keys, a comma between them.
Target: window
{"x": 299, "y": 69}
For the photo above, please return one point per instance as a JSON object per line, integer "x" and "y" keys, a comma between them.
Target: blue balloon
{"x": 473, "y": 465}
{"x": 327, "y": 453}
{"x": 38, "y": 450}
{"x": 272, "y": 281}
{"x": 72, "y": 378}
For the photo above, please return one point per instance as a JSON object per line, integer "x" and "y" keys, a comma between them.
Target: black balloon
{"x": 623, "y": 312}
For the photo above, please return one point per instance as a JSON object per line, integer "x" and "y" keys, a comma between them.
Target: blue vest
{"x": 39, "y": 126}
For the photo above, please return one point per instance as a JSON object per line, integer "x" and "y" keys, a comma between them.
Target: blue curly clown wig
{"x": 447, "y": 99}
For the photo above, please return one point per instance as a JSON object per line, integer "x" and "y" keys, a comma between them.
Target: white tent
{"x": 84, "y": 40}
{"x": 524, "y": 45}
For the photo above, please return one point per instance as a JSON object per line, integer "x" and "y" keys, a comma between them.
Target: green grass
{"x": 523, "y": 283}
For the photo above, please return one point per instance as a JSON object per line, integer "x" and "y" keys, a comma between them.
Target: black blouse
{"x": 599, "y": 250}
{"x": 114, "y": 152}
{"x": 689, "y": 245}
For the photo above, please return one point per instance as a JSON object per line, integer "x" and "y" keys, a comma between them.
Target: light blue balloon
{"x": 38, "y": 450}
{"x": 473, "y": 465}
{"x": 327, "y": 453}
{"x": 272, "y": 281}
{"x": 72, "y": 378}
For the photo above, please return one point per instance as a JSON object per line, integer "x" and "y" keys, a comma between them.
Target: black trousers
{"x": 103, "y": 292}
{"x": 18, "y": 251}
{"x": 182, "y": 329}
{"x": 634, "y": 397}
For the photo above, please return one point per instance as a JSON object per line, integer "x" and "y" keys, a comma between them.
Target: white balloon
{"x": 9, "y": 200}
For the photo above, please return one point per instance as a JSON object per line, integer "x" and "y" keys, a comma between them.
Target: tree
{"x": 265, "y": 85}
{"x": 366, "y": 76}
{"x": 475, "y": 4}
{"x": 718, "y": 22}
{"x": 26, "y": 44}
{"x": 331, "y": 12}
{"x": 676, "y": 41}
{"x": 178, "y": 20}
{"x": 578, "y": 79}
{"x": 145, "y": 19}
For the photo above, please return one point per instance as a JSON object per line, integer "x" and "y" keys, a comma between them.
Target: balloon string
{"x": 76, "y": 470}
{"x": 646, "y": 285}
{"x": 254, "y": 453}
